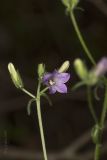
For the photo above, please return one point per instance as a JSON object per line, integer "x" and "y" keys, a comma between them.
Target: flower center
{"x": 51, "y": 82}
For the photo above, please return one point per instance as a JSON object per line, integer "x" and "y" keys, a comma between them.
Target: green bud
{"x": 81, "y": 69}
{"x": 70, "y": 4}
{"x": 64, "y": 67}
{"x": 41, "y": 69}
{"x": 15, "y": 76}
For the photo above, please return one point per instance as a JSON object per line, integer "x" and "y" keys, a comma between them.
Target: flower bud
{"x": 70, "y": 4}
{"x": 15, "y": 76}
{"x": 41, "y": 69}
{"x": 64, "y": 67}
{"x": 101, "y": 67}
{"x": 81, "y": 69}
{"x": 99, "y": 70}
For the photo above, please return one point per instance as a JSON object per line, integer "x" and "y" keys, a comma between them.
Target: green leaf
{"x": 29, "y": 105}
{"x": 96, "y": 93}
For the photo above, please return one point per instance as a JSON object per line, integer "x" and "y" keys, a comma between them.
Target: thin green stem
{"x": 97, "y": 151}
{"x": 103, "y": 117}
{"x": 88, "y": 53}
{"x": 44, "y": 90}
{"x": 40, "y": 122}
{"x": 98, "y": 144}
{"x": 91, "y": 105}
{"x": 28, "y": 93}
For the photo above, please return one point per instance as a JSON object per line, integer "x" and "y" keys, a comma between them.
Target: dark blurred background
{"x": 35, "y": 31}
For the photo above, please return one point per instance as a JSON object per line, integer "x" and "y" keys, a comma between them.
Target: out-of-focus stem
{"x": 91, "y": 105}
{"x": 80, "y": 37}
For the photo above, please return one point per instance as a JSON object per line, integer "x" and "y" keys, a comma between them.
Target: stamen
{"x": 51, "y": 82}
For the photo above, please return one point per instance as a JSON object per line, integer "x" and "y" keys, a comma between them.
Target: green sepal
{"x": 74, "y": 3}
{"x": 96, "y": 134}
{"x": 96, "y": 94}
{"x": 70, "y": 4}
{"x": 29, "y": 105}
{"x": 92, "y": 79}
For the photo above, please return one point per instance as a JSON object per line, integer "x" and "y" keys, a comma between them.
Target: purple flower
{"x": 101, "y": 67}
{"x": 56, "y": 81}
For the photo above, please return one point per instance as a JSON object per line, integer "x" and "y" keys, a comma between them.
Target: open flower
{"x": 56, "y": 81}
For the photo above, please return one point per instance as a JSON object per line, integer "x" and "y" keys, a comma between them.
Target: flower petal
{"x": 101, "y": 67}
{"x": 62, "y": 77}
{"x": 46, "y": 78}
{"x": 61, "y": 88}
{"x": 52, "y": 89}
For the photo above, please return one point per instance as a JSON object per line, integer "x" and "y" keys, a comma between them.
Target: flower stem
{"x": 97, "y": 151}
{"x": 103, "y": 117}
{"x": 28, "y": 93}
{"x": 91, "y": 105}
{"x": 88, "y": 53}
{"x": 44, "y": 90}
{"x": 40, "y": 122}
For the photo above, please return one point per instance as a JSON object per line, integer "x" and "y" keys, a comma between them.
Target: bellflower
{"x": 56, "y": 81}
{"x": 101, "y": 67}
{"x": 91, "y": 77}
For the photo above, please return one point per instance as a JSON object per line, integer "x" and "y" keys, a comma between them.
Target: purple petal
{"x": 46, "y": 78}
{"x": 52, "y": 90}
{"x": 61, "y": 88}
{"x": 101, "y": 67}
{"x": 62, "y": 77}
